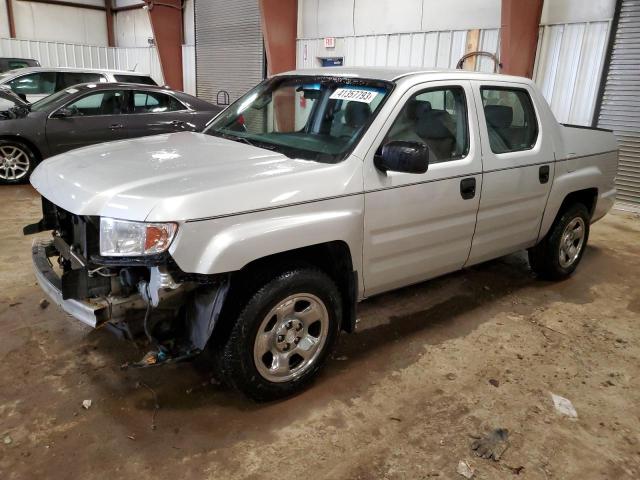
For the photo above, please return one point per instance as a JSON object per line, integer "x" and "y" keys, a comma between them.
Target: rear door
{"x": 99, "y": 116}
{"x": 153, "y": 113}
{"x": 419, "y": 226}
{"x": 518, "y": 169}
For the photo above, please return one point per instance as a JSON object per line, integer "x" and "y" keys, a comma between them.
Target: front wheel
{"x": 17, "y": 161}
{"x": 283, "y": 335}
{"x": 560, "y": 252}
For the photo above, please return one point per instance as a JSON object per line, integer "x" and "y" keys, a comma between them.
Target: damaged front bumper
{"x": 93, "y": 312}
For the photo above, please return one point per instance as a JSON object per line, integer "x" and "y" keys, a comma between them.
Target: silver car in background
{"x": 35, "y": 83}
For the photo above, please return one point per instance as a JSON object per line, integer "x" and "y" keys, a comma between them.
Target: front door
{"x": 419, "y": 226}
{"x": 518, "y": 161}
{"x": 99, "y": 116}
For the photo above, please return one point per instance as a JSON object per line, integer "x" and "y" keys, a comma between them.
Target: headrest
{"x": 498, "y": 116}
{"x": 415, "y": 108}
{"x": 356, "y": 114}
{"x": 435, "y": 124}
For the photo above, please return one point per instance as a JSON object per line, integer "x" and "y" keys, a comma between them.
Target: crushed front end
{"x": 132, "y": 295}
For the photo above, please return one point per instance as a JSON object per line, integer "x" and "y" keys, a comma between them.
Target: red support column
{"x": 519, "y": 36}
{"x": 108, "y": 9}
{"x": 12, "y": 23}
{"x": 279, "y": 29}
{"x": 166, "y": 22}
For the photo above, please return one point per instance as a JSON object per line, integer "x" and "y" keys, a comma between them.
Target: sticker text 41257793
{"x": 354, "y": 95}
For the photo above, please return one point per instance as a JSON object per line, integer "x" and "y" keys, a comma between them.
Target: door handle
{"x": 543, "y": 174}
{"x": 468, "y": 188}
{"x": 116, "y": 126}
{"x": 177, "y": 123}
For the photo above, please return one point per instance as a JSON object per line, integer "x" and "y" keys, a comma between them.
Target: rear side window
{"x": 135, "y": 79}
{"x": 41, "y": 83}
{"x": 68, "y": 79}
{"x": 155, "y": 102}
{"x": 511, "y": 119}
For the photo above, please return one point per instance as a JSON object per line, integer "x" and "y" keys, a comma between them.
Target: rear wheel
{"x": 17, "y": 161}
{"x": 283, "y": 335}
{"x": 560, "y": 252}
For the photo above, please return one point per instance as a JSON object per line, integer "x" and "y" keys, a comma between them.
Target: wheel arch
{"x": 17, "y": 138}
{"x": 586, "y": 196}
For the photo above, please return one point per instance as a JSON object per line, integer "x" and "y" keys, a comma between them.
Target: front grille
{"x": 80, "y": 232}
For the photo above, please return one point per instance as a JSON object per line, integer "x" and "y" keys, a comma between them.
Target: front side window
{"x": 41, "y": 83}
{"x": 68, "y": 79}
{"x": 154, "y": 102}
{"x": 315, "y": 118}
{"x": 511, "y": 119}
{"x": 109, "y": 102}
{"x": 437, "y": 118}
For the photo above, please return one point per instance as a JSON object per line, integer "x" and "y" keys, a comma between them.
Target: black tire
{"x": 546, "y": 259}
{"x": 235, "y": 354}
{"x": 17, "y": 161}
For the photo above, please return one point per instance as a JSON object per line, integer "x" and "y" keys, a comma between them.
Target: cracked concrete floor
{"x": 398, "y": 400}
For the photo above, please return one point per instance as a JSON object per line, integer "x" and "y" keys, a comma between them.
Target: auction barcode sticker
{"x": 354, "y": 95}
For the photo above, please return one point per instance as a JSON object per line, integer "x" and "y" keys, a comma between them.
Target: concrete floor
{"x": 399, "y": 400}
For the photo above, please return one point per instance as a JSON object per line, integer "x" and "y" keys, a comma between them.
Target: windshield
{"x": 315, "y": 118}
{"x": 51, "y": 99}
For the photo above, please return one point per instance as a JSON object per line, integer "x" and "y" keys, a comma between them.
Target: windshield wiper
{"x": 253, "y": 143}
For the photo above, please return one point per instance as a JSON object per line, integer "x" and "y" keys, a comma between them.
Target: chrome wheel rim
{"x": 291, "y": 338}
{"x": 14, "y": 163}
{"x": 572, "y": 242}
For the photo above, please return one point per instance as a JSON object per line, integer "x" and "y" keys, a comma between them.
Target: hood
{"x": 185, "y": 176}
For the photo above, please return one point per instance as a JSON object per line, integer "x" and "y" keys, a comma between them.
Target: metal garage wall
{"x": 620, "y": 108}
{"x": 55, "y": 54}
{"x": 229, "y": 48}
{"x": 440, "y": 49}
{"x": 569, "y": 66}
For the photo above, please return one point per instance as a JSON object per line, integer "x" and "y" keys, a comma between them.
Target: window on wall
{"x": 511, "y": 119}
{"x": 154, "y": 102}
{"x": 41, "y": 83}
{"x": 437, "y": 118}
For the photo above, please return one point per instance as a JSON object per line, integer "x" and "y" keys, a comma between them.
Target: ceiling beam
{"x": 61, "y": 3}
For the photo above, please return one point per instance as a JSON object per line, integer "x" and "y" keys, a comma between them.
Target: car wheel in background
{"x": 17, "y": 161}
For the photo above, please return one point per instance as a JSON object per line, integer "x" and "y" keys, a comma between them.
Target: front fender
{"x": 227, "y": 244}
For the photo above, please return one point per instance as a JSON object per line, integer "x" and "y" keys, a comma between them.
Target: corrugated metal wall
{"x": 568, "y": 68}
{"x": 229, "y": 48}
{"x": 620, "y": 107}
{"x": 440, "y": 49}
{"x": 55, "y": 54}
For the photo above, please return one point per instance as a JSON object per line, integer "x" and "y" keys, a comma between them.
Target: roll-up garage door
{"x": 620, "y": 107}
{"x": 229, "y": 48}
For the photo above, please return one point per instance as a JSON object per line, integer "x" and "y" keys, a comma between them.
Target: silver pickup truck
{"x": 255, "y": 239}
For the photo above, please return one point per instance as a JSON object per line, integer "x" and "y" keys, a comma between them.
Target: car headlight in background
{"x": 121, "y": 238}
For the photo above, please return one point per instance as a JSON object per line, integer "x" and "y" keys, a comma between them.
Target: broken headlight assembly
{"x": 124, "y": 238}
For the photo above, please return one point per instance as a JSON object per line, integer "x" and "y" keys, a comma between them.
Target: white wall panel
{"x": 4, "y": 20}
{"x": 341, "y": 18}
{"x": 189, "y": 69}
{"x": 41, "y": 21}
{"x": 569, "y": 66}
{"x": 56, "y": 54}
{"x": 418, "y": 49}
{"x": 188, "y": 15}
{"x": 132, "y": 28}
{"x": 577, "y": 11}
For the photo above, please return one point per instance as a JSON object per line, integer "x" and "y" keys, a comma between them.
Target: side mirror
{"x": 64, "y": 113}
{"x": 407, "y": 157}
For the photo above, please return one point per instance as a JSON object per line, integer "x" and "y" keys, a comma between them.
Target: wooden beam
{"x": 61, "y": 3}
{"x": 279, "y": 21}
{"x": 473, "y": 40}
{"x": 12, "y": 22}
{"x": 108, "y": 9}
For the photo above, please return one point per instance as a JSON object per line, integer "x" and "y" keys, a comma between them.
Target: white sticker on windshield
{"x": 354, "y": 95}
